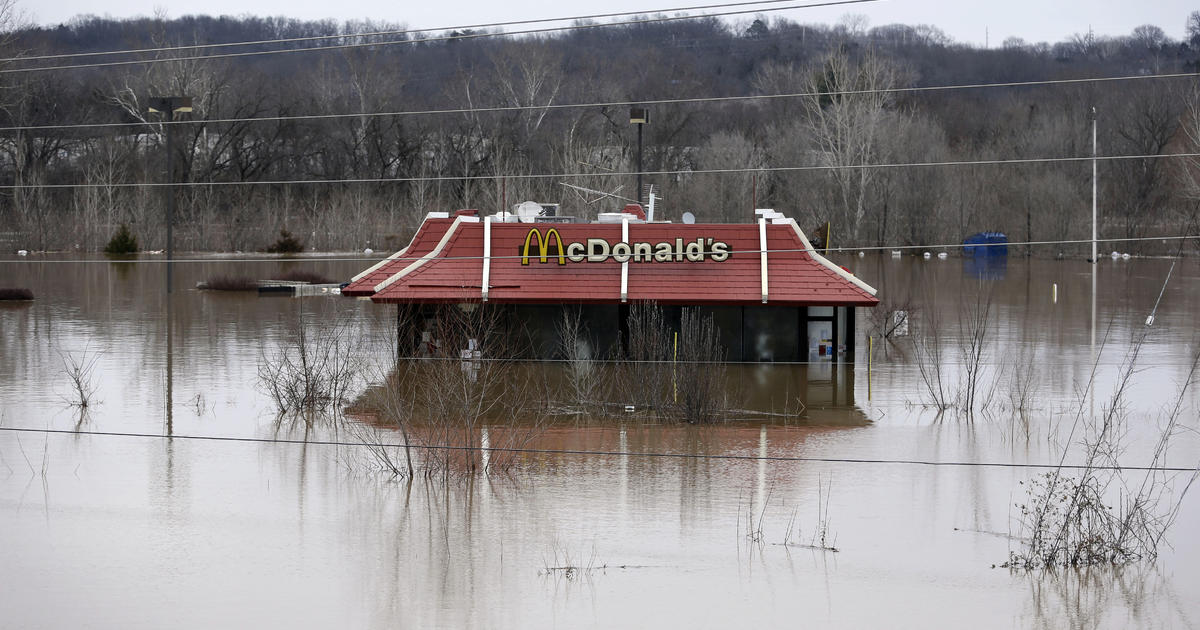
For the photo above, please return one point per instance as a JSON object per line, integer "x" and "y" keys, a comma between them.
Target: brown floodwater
{"x": 103, "y": 530}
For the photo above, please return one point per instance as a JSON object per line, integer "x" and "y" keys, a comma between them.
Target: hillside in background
{"x": 528, "y": 113}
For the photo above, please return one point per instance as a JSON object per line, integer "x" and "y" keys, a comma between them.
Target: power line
{"x": 465, "y": 36}
{"x": 344, "y": 36}
{"x": 713, "y": 171}
{"x": 537, "y": 451}
{"x": 594, "y": 105}
{"x": 1184, "y": 237}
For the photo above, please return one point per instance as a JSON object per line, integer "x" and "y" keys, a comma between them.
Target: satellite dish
{"x": 528, "y": 211}
{"x": 689, "y": 218}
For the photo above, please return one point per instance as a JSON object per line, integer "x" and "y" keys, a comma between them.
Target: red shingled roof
{"x": 452, "y": 270}
{"x": 423, "y": 241}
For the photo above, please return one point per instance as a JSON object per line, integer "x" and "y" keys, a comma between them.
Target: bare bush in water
{"x": 680, "y": 375}
{"x": 822, "y": 538}
{"x": 698, "y": 378}
{"x": 1099, "y": 515}
{"x": 461, "y": 409}
{"x": 584, "y": 377}
{"x": 319, "y": 367}
{"x": 1022, "y": 383}
{"x": 230, "y": 283}
{"x": 889, "y": 322}
{"x": 970, "y": 390}
{"x": 646, "y": 372}
{"x": 80, "y": 372}
{"x": 21, "y": 295}
{"x": 975, "y": 323}
{"x": 926, "y": 342}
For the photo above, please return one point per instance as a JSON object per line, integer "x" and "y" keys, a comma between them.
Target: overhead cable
{"x": 537, "y": 451}
{"x": 594, "y": 105}
{"x": 393, "y": 33}
{"x": 534, "y": 176}
{"x": 321, "y": 258}
{"x": 428, "y": 40}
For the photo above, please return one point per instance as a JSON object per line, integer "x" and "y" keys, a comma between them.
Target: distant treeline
{"x": 809, "y": 148}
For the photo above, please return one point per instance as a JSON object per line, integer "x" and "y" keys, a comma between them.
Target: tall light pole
{"x": 639, "y": 116}
{"x": 1095, "y": 262}
{"x": 169, "y": 106}
{"x": 1095, "y": 185}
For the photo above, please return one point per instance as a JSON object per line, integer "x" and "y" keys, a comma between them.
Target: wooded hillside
{"x": 810, "y": 148}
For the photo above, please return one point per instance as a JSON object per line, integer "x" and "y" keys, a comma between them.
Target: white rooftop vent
{"x": 528, "y": 211}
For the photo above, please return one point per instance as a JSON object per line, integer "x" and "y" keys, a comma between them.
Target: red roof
{"x": 453, "y": 269}
{"x": 423, "y": 241}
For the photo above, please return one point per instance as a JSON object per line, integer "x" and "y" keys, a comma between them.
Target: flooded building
{"x": 770, "y": 294}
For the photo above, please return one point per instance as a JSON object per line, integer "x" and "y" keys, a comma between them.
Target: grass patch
{"x": 230, "y": 283}
{"x": 301, "y": 275}
{"x": 16, "y": 294}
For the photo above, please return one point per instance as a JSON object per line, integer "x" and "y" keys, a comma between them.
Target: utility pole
{"x": 168, "y": 106}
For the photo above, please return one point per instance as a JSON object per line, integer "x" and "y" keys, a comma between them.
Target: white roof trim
{"x": 441, "y": 215}
{"x": 427, "y": 257}
{"x": 828, "y": 263}
{"x": 385, "y": 260}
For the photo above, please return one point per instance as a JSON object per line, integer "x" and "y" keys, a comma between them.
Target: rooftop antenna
{"x": 650, "y": 210}
{"x": 601, "y": 193}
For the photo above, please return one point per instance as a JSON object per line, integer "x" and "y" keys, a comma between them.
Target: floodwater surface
{"x": 108, "y": 522}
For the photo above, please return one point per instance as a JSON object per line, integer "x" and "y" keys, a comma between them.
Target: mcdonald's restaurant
{"x": 770, "y": 295}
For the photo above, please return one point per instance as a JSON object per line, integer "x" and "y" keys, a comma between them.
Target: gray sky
{"x": 1032, "y": 20}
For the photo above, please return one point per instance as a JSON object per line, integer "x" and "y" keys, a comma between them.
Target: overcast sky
{"x": 971, "y": 22}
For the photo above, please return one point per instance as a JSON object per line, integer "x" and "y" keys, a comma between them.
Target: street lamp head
{"x": 170, "y": 105}
{"x": 639, "y": 115}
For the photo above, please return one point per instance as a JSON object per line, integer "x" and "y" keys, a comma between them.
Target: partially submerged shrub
{"x": 230, "y": 283}
{"x": 287, "y": 244}
{"x": 1101, "y": 514}
{"x": 16, "y": 294}
{"x": 315, "y": 369}
{"x": 122, "y": 243}
{"x": 1071, "y": 524}
{"x": 680, "y": 373}
{"x": 583, "y": 376}
{"x": 80, "y": 371}
{"x": 459, "y": 409}
{"x": 699, "y": 377}
{"x": 302, "y": 275}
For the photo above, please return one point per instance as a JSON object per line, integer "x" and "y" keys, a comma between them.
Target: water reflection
{"x": 1096, "y": 597}
{"x": 224, "y": 528}
{"x": 985, "y": 267}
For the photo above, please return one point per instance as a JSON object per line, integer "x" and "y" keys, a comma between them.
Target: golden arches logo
{"x": 543, "y": 245}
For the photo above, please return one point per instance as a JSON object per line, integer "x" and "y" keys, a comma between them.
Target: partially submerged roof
{"x": 426, "y": 238}
{"x": 476, "y": 260}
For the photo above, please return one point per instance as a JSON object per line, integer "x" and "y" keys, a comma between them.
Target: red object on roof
{"x": 668, "y": 263}
{"x": 636, "y": 210}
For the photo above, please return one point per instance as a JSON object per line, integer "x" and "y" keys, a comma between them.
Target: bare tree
{"x": 846, "y": 118}
{"x": 733, "y": 199}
